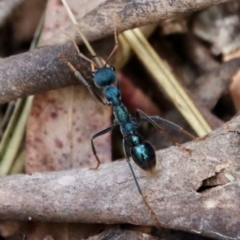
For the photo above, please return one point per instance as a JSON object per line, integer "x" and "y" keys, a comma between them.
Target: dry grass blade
{"x": 14, "y": 136}
{"x": 123, "y": 55}
{"x": 18, "y": 165}
{"x": 4, "y": 145}
{"x": 160, "y": 71}
{"x": 12, "y": 160}
{"x": 6, "y": 117}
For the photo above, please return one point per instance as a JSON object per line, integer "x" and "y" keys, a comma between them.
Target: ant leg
{"x": 106, "y": 130}
{"x": 148, "y": 119}
{"x": 79, "y": 76}
{"x": 127, "y": 156}
{"x": 170, "y": 124}
{"x": 152, "y": 120}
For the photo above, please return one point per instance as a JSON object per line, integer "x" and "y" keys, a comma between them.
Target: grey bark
{"x": 194, "y": 188}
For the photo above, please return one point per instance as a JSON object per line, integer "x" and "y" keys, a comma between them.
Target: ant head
{"x": 104, "y": 76}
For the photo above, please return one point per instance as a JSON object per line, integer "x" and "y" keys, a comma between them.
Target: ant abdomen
{"x": 144, "y": 155}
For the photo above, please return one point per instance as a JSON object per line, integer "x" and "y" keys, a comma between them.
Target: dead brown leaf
{"x": 59, "y": 131}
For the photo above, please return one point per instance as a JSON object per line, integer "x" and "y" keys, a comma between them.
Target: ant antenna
{"x": 74, "y": 21}
{"x": 84, "y": 39}
{"x": 77, "y": 49}
{"x": 116, "y": 43}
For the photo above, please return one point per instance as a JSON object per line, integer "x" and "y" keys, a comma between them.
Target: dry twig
{"x": 194, "y": 189}
{"x": 40, "y": 70}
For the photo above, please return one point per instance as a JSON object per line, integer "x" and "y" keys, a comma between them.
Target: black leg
{"x": 152, "y": 120}
{"x": 170, "y": 124}
{"x": 127, "y": 156}
{"x": 106, "y": 130}
{"x": 148, "y": 119}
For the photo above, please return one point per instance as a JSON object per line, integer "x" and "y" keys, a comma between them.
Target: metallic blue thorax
{"x": 124, "y": 119}
{"x": 113, "y": 95}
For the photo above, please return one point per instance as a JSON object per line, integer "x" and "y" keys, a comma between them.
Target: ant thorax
{"x": 113, "y": 95}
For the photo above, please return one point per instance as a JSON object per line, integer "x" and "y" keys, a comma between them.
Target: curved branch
{"x": 100, "y": 22}
{"x": 41, "y": 70}
{"x": 195, "y": 189}
{"x": 38, "y": 71}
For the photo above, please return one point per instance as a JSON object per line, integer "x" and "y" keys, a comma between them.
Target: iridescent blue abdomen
{"x": 144, "y": 155}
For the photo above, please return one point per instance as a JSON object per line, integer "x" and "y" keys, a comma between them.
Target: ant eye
{"x": 113, "y": 68}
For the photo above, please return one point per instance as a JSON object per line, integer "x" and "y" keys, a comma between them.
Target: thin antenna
{"x": 74, "y": 21}
{"x": 116, "y": 43}
{"x": 77, "y": 49}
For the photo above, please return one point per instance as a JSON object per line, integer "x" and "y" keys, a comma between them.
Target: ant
{"x": 134, "y": 146}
